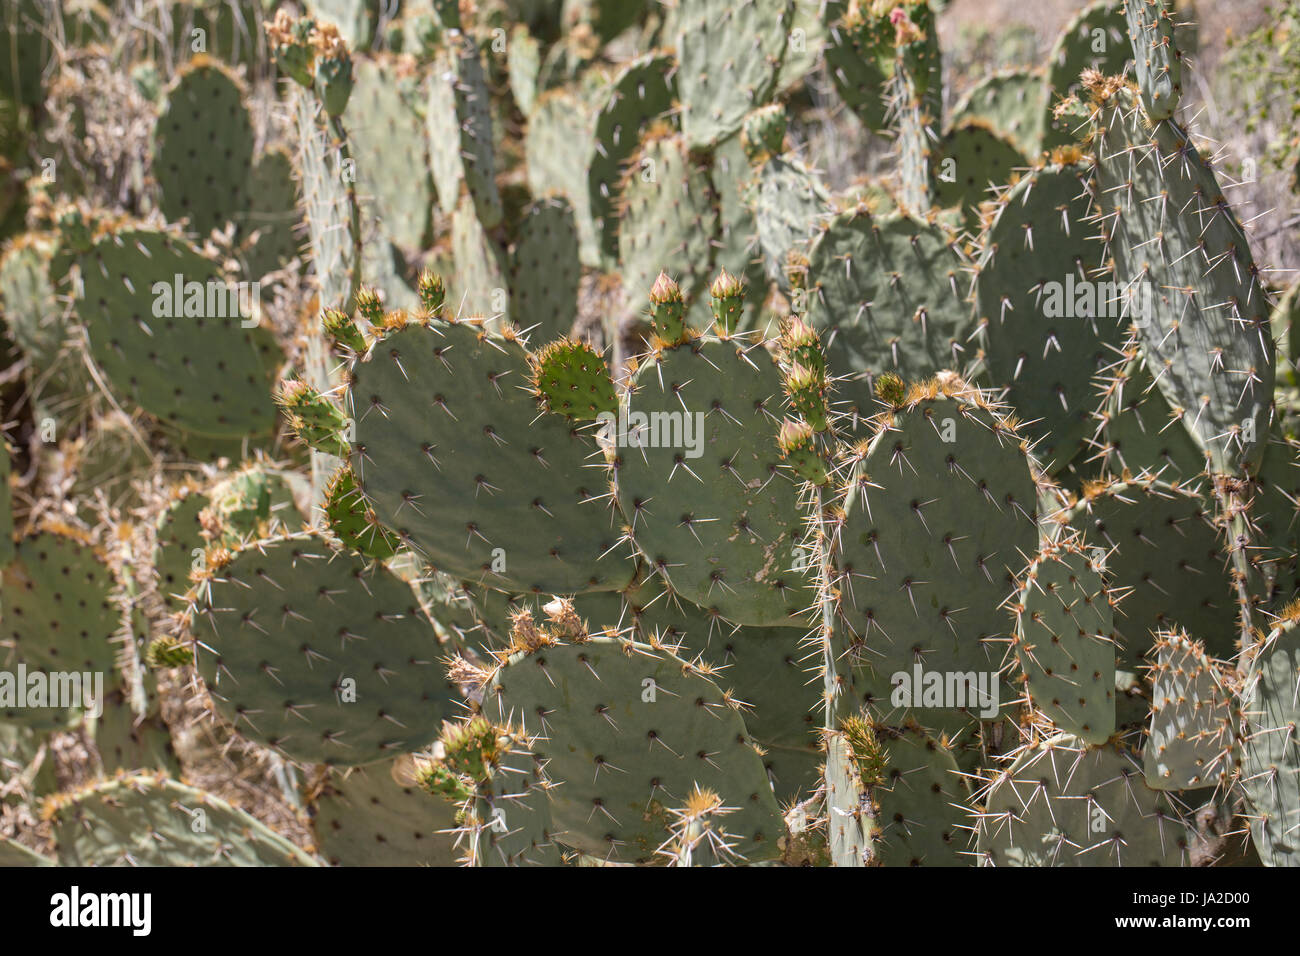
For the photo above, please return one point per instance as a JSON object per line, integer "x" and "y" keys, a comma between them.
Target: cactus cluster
{"x": 489, "y": 426}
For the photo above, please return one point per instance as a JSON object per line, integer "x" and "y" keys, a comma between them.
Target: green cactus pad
{"x": 562, "y": 125}
{"x": 1137, "y": 432}
{"x": 809, "y": 29}
{"x": 1046, "y": 335}
{"x": 180, "y": 544}
{"x": 789, "y": 203}
{"x": 25, "y": 52}
{"x": 888, "y": 295}
{"x": 939, "y": 513}
{"x": 764, "y": 132}
{"x": 355, "y": 19}
{"x": 272, "y": 216}
{"x": 735, "y": 246}
{"x": 1097, "y": 39}
{"x": 1158, "y": 61}
{"x": 316, "y": 419}
{"x": 203, "y": 147}
{"x": 846, "y": 809}
{"x": 333, "y": 235}
{"x": 59, "y": 609}
{"x": 1270, "y": 772}
{"x": 319, "y": 655}
{"x": 860, "y": 75}
{"x": 767, "y": 668}
{"x": 366, "y": 817}
{"x": 388, "y": 138}
{"x": 1065, "y": 641}
{"x": 459, "y": 127}
{"x": 715, "y": 516}
{"x": 1217, "y": 370}
{"x": 1191, "y": 735}
{"x": 523, "y": 63}
{"x": 920, "y": 803}
{"x": 1011, "y": 103}
{"x": 1286, "y": 330}
{"x": 626, "y": 732}
{"x": 982, "y": 162}
{"x": 143, "y": 819}
{"x": 15, "y": 855}
{"x": 251, "y": 503}
{"x": 126, "y": 741}
{"x": 1163, "y": 554}
{"x": 479, "y": 287}
{"x": 1275, "y": 513}
{"x": 545, "y": 271}
{"x": 456, "y": 458}
{"x": 30, "y": 273}
{"x": 200, "y": 371}
{"x": 509, "y": 821}
{"x": 642, "y": 91}
{"x": 1063, "y": 804}
{"x": 669, "y": 221}
{"x": 729, "y": 56}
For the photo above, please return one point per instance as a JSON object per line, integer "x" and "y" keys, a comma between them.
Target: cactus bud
{"x": 167, "y": 651}
{"x": 344, "y": 332}
{"x": 370, "y": 308}
{"x": 470, "y": 750}
{"x": 803, "y": 347}
{"x": 433, "y": 293}
{"x": 441, "y": 781}
{"x": 869, "y": 757}
{"x": 806, "y": 389}
{"x": 799, "y": 447}
{"x": 890, "y": 389}
{"x": 316, "y": 420}
{"x": 728, "y": 295}
{"x": 668, "y": 311}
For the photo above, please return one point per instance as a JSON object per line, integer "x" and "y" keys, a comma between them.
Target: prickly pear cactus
{"x": 174, "y": 337}
{"x": 203, "y": 147}
{"x": 344, "y": 670}
{"x": 149, "y": 820}
{"x": 452, "y": 392}
{"x": 607, "y": 433}
{"x": 653, "y": 711}
{"x": 1063, "y": 803}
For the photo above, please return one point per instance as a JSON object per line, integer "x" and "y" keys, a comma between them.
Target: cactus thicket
{"x": 512, "y": 442}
